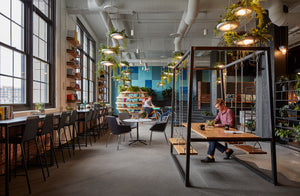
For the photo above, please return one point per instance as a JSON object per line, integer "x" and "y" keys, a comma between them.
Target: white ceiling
{"x": 153, "y": 22}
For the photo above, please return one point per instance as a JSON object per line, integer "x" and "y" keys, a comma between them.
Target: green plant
{"x": 143, "y": 114}
{"x": 251, "y": 124}
{"x": 148, "y": 90}
{"x": 69, "y": 108}
{"x": 283, "y": 111}
{"x": 210, "y": 123}
{"x": 122, "y": 88}
{"x": 40, "y": 107}
{"x": 297, "y": 87}
{"x": 297, "y": 132}
{"x": 283, "y": 133}
{"x": 206, "y": 113}
{"x": 125, "y": 63}
{"x": 167, "y": 92}
{"x": 134, "y": 88}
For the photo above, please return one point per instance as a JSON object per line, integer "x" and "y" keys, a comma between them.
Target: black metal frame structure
{"x": 185, "y": 174}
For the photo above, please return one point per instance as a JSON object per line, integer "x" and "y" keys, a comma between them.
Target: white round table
{"x": 137, "y": 121}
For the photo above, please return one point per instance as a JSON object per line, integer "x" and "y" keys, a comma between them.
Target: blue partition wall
{"x": 146, "y": 79}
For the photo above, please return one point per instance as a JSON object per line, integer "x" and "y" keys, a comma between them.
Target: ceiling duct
{"x": 278, "y": 16}
{"x": 188, "y": 18}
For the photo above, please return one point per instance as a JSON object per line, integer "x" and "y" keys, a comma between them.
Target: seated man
{"x": 225, "y": 117}
{"x": 148, "y": 106}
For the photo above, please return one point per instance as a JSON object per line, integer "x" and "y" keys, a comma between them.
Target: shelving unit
{"x": 242, "y": 101}
{"x": 102, "y": 88}
{"x": 286, "y": 117}
{"x": 73, "y": 67}
{"x": 131, "y": 102}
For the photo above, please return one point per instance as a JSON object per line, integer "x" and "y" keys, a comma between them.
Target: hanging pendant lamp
{"x": 246, "y": 41}
{"x": 228, "y": 25}
{"x": 107, "y": 63}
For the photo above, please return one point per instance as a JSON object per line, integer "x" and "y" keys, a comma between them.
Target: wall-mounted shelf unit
{"x": 73, "y": 67}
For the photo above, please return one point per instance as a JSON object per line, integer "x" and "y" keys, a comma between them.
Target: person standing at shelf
{"x": 224, "y": 117}
{"x": 148, "y": 106}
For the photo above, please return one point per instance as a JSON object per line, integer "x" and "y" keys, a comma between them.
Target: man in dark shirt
{"x": 224, "y": 117}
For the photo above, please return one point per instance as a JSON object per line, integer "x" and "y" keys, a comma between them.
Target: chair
{"x": 45, "y": 130}
{"x": 73, "y": 132}
{"x": 159, "y": 127}
{"x": 29, "y": 134}
{"x": 86, "y": 133}
{"x": 58, "y": 127}
{"x": 125, "y": 115}
{"x": 116, "y": 129}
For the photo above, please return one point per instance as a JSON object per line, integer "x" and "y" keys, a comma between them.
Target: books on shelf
{"x": 6, "y": 112}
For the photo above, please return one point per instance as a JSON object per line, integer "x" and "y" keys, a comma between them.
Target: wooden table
{"x": 218, "y": 133}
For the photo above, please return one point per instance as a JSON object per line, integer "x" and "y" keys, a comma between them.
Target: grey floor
{"x": 149, "y": 170}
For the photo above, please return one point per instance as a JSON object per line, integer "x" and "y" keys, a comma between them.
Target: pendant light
{"x": 107, "y": 63}
{"x": 246, "y": 41}
{"x": 228, "y": 25}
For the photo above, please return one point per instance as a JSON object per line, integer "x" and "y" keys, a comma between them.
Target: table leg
{"x": 137, "y": 137}
{"x": 6, "y": 161}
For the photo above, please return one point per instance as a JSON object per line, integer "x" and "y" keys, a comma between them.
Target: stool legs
{"x": 25, "y": 167}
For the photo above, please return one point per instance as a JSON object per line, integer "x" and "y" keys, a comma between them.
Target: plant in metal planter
{"x": 297, "y": 132}
{"x": 251, "y": 125}
{"x": 283, "y": 133}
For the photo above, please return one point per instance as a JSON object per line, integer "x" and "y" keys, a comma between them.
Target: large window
{"x": 88, "y": 65}
{"x": 26, "y": 53}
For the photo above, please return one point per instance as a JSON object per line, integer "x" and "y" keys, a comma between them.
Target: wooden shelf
{"x": 250, "y": 150}
{"x": 139, "y": 102}
{"x": 177, "y": 141}
{"x": 73, "y": 101}
{"x": 73, "y": 65}
{"x": 72, "y": 41}
{"x": 73, "y": 89}
{"x": 128, "y": 108}
{"x": 182, "y": 151}
{"x": 73, "y": 53}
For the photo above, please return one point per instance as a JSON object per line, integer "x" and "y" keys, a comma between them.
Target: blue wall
{"x": 145, "y": 79}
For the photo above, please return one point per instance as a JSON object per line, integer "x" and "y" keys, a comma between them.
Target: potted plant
{"x": 284, "y": 134}
{"x": 282, "y": 82}
{"x": 251, "y": 125}
{"x": 40, "y": 107}
{"x": 297, "y": 88}
{"x": 297, "y": 132}
{"x": 210, "y": 123}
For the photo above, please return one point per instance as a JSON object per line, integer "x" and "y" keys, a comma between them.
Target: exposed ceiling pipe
{"x": 278, "y": 16}
{"x": 188, "y": 18}
{"x": 108, "y": 25}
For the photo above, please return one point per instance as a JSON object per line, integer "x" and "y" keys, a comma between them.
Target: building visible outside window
{"x": 26, "y": 60}
{"x": 88, "y": 65}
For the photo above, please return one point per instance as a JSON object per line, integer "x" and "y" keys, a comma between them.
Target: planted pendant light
{"x": 107, "y": 63}
{"x": 117, "y": 36}
{"x": 242, "y": 11}
{"x": 228, "y": 25}
{"x": 247, "y": 40}
{"x": 108, "y": 51}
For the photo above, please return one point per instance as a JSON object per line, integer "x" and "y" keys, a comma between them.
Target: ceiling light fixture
{"x": 108, "y": 51}
{"x": 107, "y": 63}
{"x": 283, "y": 49}
{"x": 117, "y": 36}
{"x": 227, "y": 25}
{"x": 242, "y": 11}
{"x": 247, "y": 40}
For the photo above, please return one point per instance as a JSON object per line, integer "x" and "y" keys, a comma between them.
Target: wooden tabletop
{"x": 219, "y": 132}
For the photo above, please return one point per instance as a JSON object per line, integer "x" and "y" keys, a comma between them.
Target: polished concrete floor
{"x": 149, "y": 170}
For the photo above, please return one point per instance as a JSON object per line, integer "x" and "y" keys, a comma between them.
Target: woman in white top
{"x": 148, "y": 105}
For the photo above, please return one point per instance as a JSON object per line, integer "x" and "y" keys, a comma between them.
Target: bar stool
{"x": 47, "y": 129}
{"x": 72, "y": 122}
{"x": 29, "y": 134}
{"x": 58, "y": 127}
{"x": 86, "y": 132}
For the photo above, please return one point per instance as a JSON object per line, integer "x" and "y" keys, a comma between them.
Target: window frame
{"x": 84, "y": 32}
{"x": 29, "y": 9}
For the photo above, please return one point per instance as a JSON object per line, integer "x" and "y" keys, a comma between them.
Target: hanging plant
{"x": 122, "y": 34}
{"x": 259, "y": 34}
{"x": 115, "y": 49}
{"x": 178, "y": 55}
{"x": 124, "y": 63}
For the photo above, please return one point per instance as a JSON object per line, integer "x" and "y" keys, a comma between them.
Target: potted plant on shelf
{"x": 251, "y": 125}
{"x": 283, "y": 82}
{"x": 297, "y": 132}
{"x": 284, "y": 134}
